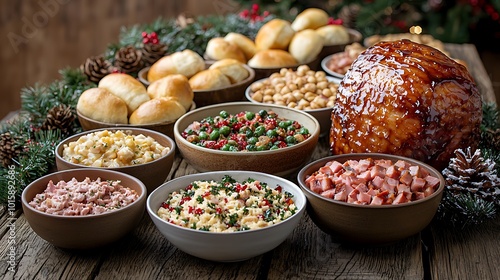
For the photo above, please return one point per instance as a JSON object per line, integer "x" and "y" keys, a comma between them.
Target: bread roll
{"x": 218, "y": 48}
{"x": 186, "y": 62}
{"x": 127, "y": 88}
{"x": 306, "y": 46}
{"x": 275, "y": 34}
{"x": 175, "y": 86}
{"x": 334, "y": 34}
{"x": 232, "y": 68}
{"x": 158, "y": 110}
{"x": 209, "y": 79}
{"x": 101, "y": 105}
{"x": 311, "y": 18}
{"x": 246, "y": 44}
{"x": 272, "y": 59}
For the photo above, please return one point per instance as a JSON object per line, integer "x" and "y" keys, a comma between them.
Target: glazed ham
{"x": 75, "y": 198}
{"x": 372, "y": 182}
{"x": 408, "y": 99}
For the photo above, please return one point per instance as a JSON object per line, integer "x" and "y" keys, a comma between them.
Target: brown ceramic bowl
{"x": 323, "y": 115}
{"x": 233, "y": 93}
{"x": 166, "y": 128}
{"x": 281, "y": 162}
{"x": 90, "y": 231}
{"x": 354, "y": 36}
{"x": 152, "y": 174}
{"x": 369, "y": 224}
{"x": 261, "y": 73}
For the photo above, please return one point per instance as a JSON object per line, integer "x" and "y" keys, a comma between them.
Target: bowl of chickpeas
{"x": 303, "y": 89}
{"x": 142, "y": 153}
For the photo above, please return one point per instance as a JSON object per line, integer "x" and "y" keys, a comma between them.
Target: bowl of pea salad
{"x": 247, "y": 136}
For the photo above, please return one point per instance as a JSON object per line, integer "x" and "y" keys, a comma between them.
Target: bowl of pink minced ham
{"x": 84, "y": 208}
{"x": 371, "y": 198}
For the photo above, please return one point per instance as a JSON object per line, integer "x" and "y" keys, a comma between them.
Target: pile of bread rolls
{"x": 191, "y": 65}
{"x": 280, "y": 43}
{"x": 121, "y": 99}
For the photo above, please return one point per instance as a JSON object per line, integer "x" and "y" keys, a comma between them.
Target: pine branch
{"x": 465, "y": 210}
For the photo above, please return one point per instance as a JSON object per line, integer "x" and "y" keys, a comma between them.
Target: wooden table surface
{"x": 308, "y": 253}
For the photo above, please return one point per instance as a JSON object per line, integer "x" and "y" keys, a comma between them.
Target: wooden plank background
{"x": 38, "y": 38}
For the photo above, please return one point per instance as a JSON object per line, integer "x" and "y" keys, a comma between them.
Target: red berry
{"x": 144, "y": 34}
{"x": 255, "y": 7}
{"x": 145, "y": 40}
{"x": 154, "y": 41}
{"x": 153, "y": 35}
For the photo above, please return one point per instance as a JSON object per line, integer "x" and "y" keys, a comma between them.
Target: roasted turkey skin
{"x": 407, "y": 99}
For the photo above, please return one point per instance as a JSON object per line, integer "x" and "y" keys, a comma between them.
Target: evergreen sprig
{"x": 464, "y": 210}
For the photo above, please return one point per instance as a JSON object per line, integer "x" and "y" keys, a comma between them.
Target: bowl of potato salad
{"x": 145, "y": 154}
{"x": 226, "y": 216}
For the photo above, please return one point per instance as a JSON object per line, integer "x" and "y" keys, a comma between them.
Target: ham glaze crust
{"x": 406, "y": 99}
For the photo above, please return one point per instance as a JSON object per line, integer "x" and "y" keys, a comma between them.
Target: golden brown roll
{"x": 218, "y": 48}
{"x": 127, "y": 88}
{"x": 209, "y": 79}
{"x": 186, "y": 62}
{"x": 101, "y": 105}
{"x": 306, "y": 46}
{"x": 334, "y": 34}
{"x": 174, "y": 86}
{"x": 272, "y": 59}
{"x": 232, "y": 68}
{"x": 246, "y": 44}
{"x": 275, "y": 34}
{"x": 158, "y": 110}
{"x": 311, "y": 18}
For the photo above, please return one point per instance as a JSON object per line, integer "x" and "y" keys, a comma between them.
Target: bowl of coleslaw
{"x": 226, "y": 216}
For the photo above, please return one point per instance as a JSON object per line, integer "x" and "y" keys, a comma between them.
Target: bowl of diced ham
{"x": 371, "y": 198}
{"x": 85, "y": 208}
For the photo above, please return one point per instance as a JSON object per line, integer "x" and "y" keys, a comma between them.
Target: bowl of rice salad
{"x": 83, "y": 209}
{"x": 226, "y": 216}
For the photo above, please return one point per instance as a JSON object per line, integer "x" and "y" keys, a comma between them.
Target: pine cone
{"x": 152, "y": 53}
{"x": 8, "y": 149}
{"x": 60, "y": 117}
{"x": 96, "y": 67}
{"x": 128, "y": 60}
{"x": 349, "y": 14}
{"x": 470, "y": 173}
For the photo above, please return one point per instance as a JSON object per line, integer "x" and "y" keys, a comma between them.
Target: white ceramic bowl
{"x": 322, "y": 115}
{"x": 225, "y": 247}
{"x": 324, "y": 67}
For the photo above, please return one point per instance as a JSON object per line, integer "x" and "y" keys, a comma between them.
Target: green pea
{"x": 272, "y": 133}
{"x": 263, "y": 113}
{"x": 252, "y": 140}
{"x": 233, "y": 149}
{"x": 249, "y": 115}
{"x": 225, "y": 130}
{"x": 226, "y": 147}
{"x": 248, "y": 133}
{"x": 290, "y": 128}
{"x": 232, "y": 142}
{"x": 259, "y": 131}
{"x": 203, "y": 135}
{"x": 224, "y": 114}
{"x": 284, "y": 124}
{"x": 214, "y": 135}
{"x": 290, "y": 139}
{"x": 274, "y": 147}
{"x": 262, "y": 148}
{"x": 251, "y": 147}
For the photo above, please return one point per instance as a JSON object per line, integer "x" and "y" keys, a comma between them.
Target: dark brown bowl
{"x": 152, "y": 174}
{"x": 354, "y": 37}
{"x": 84, "y": 232}
{"x": 369, "y": 224}
{"x": 166, "y": 128}
{"x": 233, "y": 93}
